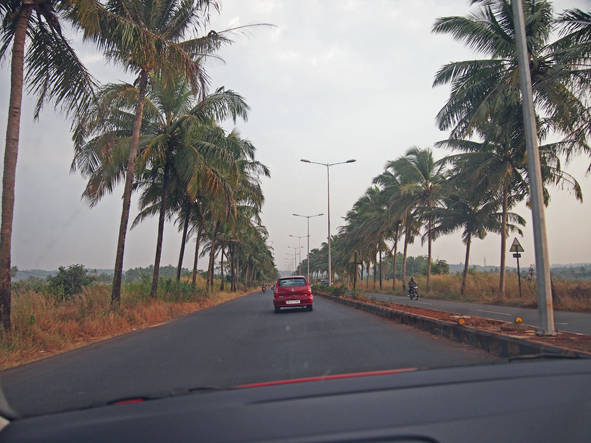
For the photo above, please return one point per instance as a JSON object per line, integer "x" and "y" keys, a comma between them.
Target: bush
{"x": 69, "y": 281}
{"x": 336, "y": 291}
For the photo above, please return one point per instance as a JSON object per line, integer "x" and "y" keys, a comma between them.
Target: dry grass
{"x": 43, "y": 327}
{"x": 482, "y": 287}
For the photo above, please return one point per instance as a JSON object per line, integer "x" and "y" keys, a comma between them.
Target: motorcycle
{"x": 413, "y": 293}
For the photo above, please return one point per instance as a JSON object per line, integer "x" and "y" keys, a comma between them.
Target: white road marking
{"x": 494, "y": 312}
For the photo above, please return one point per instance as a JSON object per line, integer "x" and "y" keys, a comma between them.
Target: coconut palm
{"x": 498, "y": 164}
{"x": 179, "y": 146}
{"x": 573, "y": 51}
{"x": 481, "y": 86}
{"x": 391, "y": 190}
{"x": 146, "y": 37}
{"x": 421, "y": 188}
{"x": 474, "y": 212}
{"x": 52, "y": 71}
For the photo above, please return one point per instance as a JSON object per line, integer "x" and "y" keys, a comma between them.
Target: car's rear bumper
{"x": 285, "y": 303}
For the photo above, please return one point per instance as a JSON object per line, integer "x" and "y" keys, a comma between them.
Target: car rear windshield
{"x": 288, "y": 282}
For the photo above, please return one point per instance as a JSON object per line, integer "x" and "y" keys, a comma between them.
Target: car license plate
{"x": 292, "y": 302}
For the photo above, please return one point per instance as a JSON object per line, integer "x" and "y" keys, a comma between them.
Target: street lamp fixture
{"x": 328, "y": 165}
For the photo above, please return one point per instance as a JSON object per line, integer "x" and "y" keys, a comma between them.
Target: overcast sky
{"x": 333, "y": 80}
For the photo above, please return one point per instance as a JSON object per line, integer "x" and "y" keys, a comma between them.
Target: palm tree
{"x": 498, "y": 164}
{"x": 482, "y": 85}
{"x": 179, "y": 146}
{"x": 54, "y": 72}
{"x": 421, "y": 188}
{"x": 476, "y": 213}
{"x": 391, "y": 190}
{"x": 485, "y": 97}
{"x": 573, "y": 51}
{"x": 146, "y": 38}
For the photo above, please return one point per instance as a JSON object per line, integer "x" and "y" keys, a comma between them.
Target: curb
{"x": 497, "y": 344}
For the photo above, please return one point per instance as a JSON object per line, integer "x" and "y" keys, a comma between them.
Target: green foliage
{"x": 336, "y": 291}
{"x": 141, "y": 274}
{"x": 440, "y": 267}
{"x": 69, "y": 281}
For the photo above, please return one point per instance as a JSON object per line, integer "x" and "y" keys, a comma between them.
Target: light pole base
{"x": 543, "y": 333}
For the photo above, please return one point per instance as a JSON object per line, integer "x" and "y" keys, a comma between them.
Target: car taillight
{"x": 309, "y": 290}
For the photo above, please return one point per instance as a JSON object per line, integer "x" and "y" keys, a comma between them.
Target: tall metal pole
{"x": 308, "y": 217}
{"x": 308, "y": 252}
{"x": 328, "y": 165}
{"x": 545, "y": 308}
{"x": 329, "y": 258}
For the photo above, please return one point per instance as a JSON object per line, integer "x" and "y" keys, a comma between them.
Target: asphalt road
{"x": 565, "y": 321}
{"x": 242, "y": 341}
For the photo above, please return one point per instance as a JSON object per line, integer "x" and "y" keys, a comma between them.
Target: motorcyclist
{"x": 263, "y": 288}
{"x": 413, "y": 288}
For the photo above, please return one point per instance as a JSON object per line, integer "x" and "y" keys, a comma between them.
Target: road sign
{"x": 516, "y": 246}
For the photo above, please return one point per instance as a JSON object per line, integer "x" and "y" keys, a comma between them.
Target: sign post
{"x": 516, "y": 248}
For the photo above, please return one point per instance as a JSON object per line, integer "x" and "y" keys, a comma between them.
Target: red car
{"x": 292, "y": 292}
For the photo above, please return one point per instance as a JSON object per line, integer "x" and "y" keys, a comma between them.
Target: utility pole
{"x": 545, "y": 308}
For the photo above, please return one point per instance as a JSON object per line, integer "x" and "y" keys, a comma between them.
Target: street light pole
{"x": 328, "y": 165}
{"x": 299, "y": 237}
{"x": 545, "y": 308}
{"x": 308, "y": 217}
{"x": 328, "y": 217}
{"x": 294, "y": 258}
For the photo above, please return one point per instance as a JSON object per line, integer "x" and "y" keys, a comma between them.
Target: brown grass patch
{"x": 482, "y": 287}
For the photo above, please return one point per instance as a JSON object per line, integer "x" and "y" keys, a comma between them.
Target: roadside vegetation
{"x": 159, "y": 135}
{"x": 482, "y": 175}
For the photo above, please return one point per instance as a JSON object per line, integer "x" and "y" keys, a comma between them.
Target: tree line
{"x": 474, "y": 188}
{"x": 158, "y": 136}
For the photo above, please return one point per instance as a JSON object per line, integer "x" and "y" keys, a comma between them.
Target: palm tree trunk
{"x": 380, "y": 268}
{"x": 211, "y": 258}
{"x": 135, "y": 141}
{"x": 10, "y": 156}
{"x": 395, "y": 250}
{"x": 404, "y": 254}
{"x": 196, "y": 258}
{"x": 222, "y": 270}
{"x": 429, "y": 253}
{"x": 161, "y": 218}
{"x": 375, "y": 270}
{"x": 466, "y": 265}
{"x": 183, "y": 241}
{"x": 232, "y": 270}
{"x": 503, "y": 241}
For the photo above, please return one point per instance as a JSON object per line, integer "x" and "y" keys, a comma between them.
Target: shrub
{"x": 69, "y": 281}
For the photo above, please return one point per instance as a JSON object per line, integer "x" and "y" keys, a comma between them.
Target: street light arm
{"x": 340, "y": 163}
{"x": 316, "y": 163}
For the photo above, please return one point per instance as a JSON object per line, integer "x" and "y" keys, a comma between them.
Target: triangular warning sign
{"x": 516, "y": 246}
